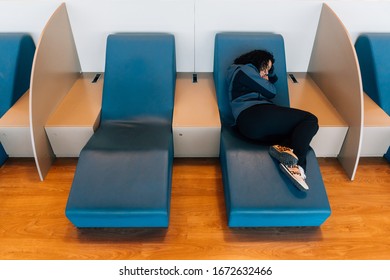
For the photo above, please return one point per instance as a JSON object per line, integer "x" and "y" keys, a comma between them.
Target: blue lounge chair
{"x": 373, "y": 54}
{"x": 123, "y": 176}
{"x": 257, "y": 193}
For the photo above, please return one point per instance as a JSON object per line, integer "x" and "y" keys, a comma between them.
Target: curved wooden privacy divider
{"x": 55, "y": 69}
{"x": 335, "y": 69}
{"x": 373, "y": 18}
{"x": 27, "y": 17}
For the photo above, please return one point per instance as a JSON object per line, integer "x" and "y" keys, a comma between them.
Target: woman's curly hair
{"x": 259, "y": 58}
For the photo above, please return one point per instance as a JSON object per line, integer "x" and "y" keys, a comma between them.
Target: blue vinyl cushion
{"x": 387, "y": 155}
{"x": 137, "y": 82}
{"x": 123, "y": 177}
{"x": 16, "y": 57}
{"x": 257, "y": 193}
{"x": 373, "y": 54}
{"x": 3, "y": 155}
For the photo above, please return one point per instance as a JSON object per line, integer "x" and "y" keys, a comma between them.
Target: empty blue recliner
{"x": 373, "y": 54}
{"x": 257, "y": 193}
{"x": 16, "y": 58}
{"x": 123, "y": 176}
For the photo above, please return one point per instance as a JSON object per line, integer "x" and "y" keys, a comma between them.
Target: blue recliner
{"x": 123, "y": 176}
{"x": 16, "y": 58}
{"x": 257, "y": 193}
{"x": 373, "y": 54}
{"x": 387, "y": 155}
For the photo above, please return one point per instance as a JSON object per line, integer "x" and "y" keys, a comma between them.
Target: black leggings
{"x": 272, "y": 124}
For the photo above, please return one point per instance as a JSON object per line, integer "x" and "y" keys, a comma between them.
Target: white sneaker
{"x": 297, "y": 175}
{"x": 283, "y": 154}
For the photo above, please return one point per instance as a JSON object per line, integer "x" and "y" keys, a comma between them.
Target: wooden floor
{"x": 33, "y": 224}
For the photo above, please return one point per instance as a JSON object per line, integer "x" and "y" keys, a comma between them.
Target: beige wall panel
{"x": 196, "y": 141}
{"x": 16, "y": 141}
{"x": 376, "y": 141}
{"x": 374, "y": 116}
{"x": 15, "y": 133}
{"x": 56, "y": 67}
{"x": 196, "y": 122}
{"x": 328, "y": 141}
{"x": 306, "y": 95}
{"x": 195, "y": 103}
{"x": 18, "y": 114}
{"x": 69, "y": 141}
{"x": 376, "y": 130}
{"x": 81, "y": 106}
{"x": 77, "y": 117}
{"x": 334, "y": 68}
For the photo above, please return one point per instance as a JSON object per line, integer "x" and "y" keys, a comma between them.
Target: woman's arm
{"x": 248, "y": 80}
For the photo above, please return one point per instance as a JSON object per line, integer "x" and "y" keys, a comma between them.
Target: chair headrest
{"x": 140, "y": 77}
{"x": 16, "y": 57}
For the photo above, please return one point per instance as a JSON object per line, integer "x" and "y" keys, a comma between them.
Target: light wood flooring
{"x": 33, "y": 224}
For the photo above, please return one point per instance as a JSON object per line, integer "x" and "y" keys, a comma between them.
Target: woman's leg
{"x": 272, "y": 124}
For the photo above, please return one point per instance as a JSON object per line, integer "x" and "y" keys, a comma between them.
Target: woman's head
{"x": 261, "y": 59}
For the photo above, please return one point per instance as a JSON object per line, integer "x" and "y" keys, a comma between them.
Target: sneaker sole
{"x": 296, "y": 184}
{"x": 284, "y": 158}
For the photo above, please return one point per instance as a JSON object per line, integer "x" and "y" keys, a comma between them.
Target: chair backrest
{"x": 373, "y": 54}
{"x": 139, "y": 78}
{"x": 229, "y": 46}
{"x": 16, "y": 57}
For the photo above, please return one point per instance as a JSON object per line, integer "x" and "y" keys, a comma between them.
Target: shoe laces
{"x": 283, "y": 148}
{"x": 298, "y": 170}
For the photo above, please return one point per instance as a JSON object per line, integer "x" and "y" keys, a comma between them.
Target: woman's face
{"x": 264, "y": 70}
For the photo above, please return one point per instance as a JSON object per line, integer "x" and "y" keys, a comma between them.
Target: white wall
{"x": 26, "y": 16}
{"x": 93, "y": 20}
{"x": 296, "y": 21}
{"x": 194, "y": 24}
{"x": 365, "y": 16}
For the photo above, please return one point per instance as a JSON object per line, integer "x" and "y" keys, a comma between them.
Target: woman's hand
{"x": 265, "y": 70}
{"x": 265, "y": 76}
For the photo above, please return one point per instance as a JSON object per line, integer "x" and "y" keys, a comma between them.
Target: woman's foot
{"x": 297, "y": 175}
{"x": 283, "y": 154}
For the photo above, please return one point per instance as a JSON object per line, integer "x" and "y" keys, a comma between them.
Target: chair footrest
{"x": 258, "y": 194}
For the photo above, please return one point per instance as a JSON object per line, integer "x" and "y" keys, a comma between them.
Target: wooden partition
{"x": 373, "y": 17}
{"x": 55, "y": 69}
{"x": 27, "y": 17}
{"x": 334, "y": 68}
